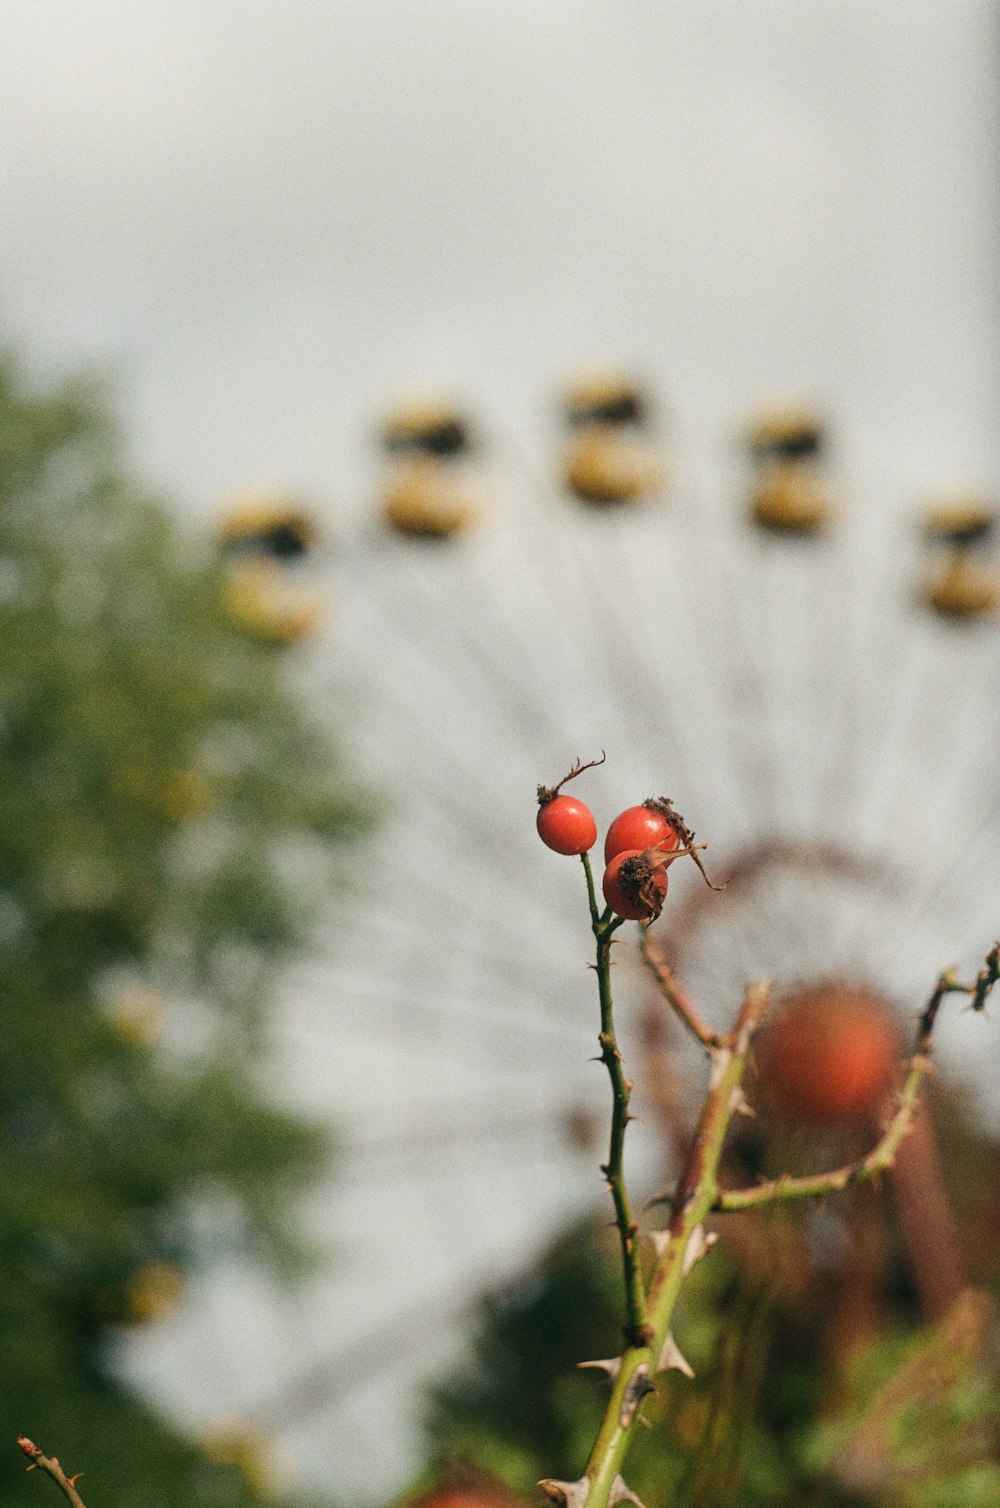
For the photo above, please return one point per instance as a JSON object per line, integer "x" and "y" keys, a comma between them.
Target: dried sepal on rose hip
{"x": 635, "y": 886}
{"x": 654, "y": 824}
{"x": 565, "y": 824}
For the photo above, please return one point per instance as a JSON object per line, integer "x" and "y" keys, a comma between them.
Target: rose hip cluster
{"x": 640, "y": 844}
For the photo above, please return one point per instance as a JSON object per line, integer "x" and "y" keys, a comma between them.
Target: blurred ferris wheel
{"x": 803, "y": 660}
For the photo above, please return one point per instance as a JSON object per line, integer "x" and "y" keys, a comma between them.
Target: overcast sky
{"x": 269, "y": 218}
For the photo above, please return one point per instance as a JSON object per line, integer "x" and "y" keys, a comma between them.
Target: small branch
{"x": 883, "y": 1154}
{"x": 978, "y": 991}
{"x": 675, "y": 997}
{"x": 52, "y": 1469}
{"x": 987, "y": 977}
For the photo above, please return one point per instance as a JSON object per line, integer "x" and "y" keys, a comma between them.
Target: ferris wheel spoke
{"x": 482, "y": 628}
{"x": 477, "y": 953}
{"x": 948, "y": 887}
{"x": 615, "y": 651}
{"x": 957, "y": 736}
{"x": 490, "y": 1134}
{"x": 933, "y": 820}
{"x": 620, "y": 654}
{"x": 740, "y": 663}
{"x": 503, "y": 1036}
{"x": 428, "y": 982}
{"x": 459, "y": 792}
{"x": 673, "y": 620}
{"x": 870, "y": 656}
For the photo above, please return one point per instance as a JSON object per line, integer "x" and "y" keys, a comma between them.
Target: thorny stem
{"x": 604, "y": 926}
{"x": 679, "y": 1246}
{"x": 52, "y": 1469}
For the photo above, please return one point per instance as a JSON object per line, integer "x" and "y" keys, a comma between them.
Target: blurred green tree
{"x": 167, "y": 803}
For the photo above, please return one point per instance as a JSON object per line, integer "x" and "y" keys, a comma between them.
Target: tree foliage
{"x": 170, "y": 809}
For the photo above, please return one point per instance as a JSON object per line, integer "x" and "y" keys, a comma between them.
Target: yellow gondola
{"x": 790, "y": 497}
{"x": 964, "y": 520}
{"x": 964, "y": 588}
{"x": 787, "y": 431}
{"x": 266, "y": 524}
{"x": 250, "y": 1453}
{"x": 153, "y": 1291}
{"x": 429, "y": 428}
{"x": 604, "y": 465}
{"x": 260, "y": 600}
{"x": 605, "y": 398}
{"x": 422, "y": 499}
{"x": 265, "y": 538}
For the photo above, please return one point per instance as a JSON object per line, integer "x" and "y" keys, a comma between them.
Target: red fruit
{"x": 831, "y": 1053}
{"x": 566, "y": 825}
{"x": 639, "y": 827}
{"x": 633, "y": 888}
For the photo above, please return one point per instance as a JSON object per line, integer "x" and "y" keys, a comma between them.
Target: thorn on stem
{"x": 672, "y": 1358}
{"x": 611, "y": 1366}
{"x": 566, "y": 1494}
{"x": 622, "y": 1493}
{"x": 699, "y": 1244}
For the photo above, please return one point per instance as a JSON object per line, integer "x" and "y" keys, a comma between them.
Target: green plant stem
{"x": 50, "y": 1466}
{"x": 695, "y": 1196}
{"x": 595, "y": 916}
{"x": 604, "y": 926}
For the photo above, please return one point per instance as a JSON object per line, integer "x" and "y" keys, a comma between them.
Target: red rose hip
{"x": 639, "y": 827}
{"x": 566, "y": 825}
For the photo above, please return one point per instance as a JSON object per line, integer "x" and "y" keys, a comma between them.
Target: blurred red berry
{"x": 831, "y": 1053}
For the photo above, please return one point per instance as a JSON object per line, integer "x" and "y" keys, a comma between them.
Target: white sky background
{"x": 268, "y": 219}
